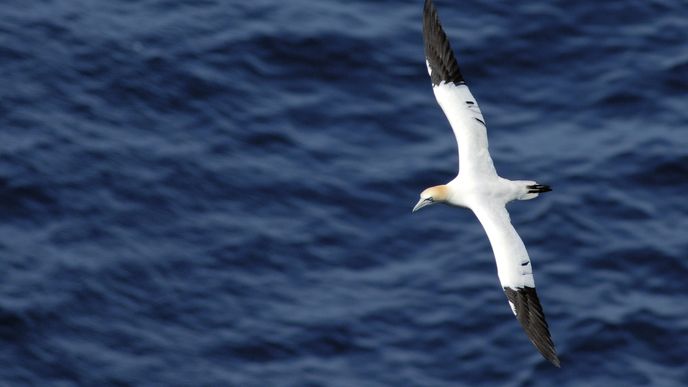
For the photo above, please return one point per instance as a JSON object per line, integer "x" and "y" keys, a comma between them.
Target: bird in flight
{"x": 480, "y": 188}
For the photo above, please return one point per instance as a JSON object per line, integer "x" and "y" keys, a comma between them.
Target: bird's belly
{"x": 496, "y": 191}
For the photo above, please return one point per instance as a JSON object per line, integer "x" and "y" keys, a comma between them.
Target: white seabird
{"x": 480, "y": 188}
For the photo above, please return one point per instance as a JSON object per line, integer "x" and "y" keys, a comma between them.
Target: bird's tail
{"x": 531, "y": 190}
{"x": 538, "y": 188}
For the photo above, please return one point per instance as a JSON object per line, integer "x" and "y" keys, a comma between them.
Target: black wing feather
{"x": 529, "y": 313}
{"x": 438, "y": 52}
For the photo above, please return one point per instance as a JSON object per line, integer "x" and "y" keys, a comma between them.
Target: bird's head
{"x": 432, "y": 195}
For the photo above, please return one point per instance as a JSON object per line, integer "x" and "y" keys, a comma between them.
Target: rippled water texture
{"x": 218, "y": 193}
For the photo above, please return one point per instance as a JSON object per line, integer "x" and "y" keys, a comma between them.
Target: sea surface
{"x": 219, "y": 193}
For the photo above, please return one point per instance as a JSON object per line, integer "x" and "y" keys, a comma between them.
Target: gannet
{"x": 478, "y": 186}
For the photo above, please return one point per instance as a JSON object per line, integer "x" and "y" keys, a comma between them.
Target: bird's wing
{"x": 516, "y": 276}
{"x": 455, "y": 98}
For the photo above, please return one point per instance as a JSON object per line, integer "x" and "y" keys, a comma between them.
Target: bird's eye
{"x": 429, "y": 200}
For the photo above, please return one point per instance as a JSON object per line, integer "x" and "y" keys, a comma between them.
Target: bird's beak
{"x": 421, "y": 203}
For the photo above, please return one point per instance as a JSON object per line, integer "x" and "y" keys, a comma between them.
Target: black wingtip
{"x": 528, "y": 310}
{"x": 438, "y": 52}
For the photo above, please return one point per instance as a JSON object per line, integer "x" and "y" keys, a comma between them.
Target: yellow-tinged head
{"x": 432, "y": 195}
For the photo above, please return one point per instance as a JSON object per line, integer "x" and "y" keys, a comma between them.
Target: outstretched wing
{"x": 454, "y": 97}
{"x": 516, "y": 276}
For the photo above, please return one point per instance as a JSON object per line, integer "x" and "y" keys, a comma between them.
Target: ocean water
{"x": 219, "y": 193}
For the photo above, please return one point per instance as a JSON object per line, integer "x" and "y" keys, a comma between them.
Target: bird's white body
{"x": 480, "y": 188}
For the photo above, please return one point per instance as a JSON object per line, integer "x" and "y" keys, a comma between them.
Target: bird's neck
{"x": 456, "y": 194}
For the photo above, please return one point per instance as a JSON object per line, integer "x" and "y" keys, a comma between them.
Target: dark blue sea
{"x": 219, "y": 193}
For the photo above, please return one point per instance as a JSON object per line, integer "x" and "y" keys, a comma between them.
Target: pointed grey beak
{"x": 422, "y": 203}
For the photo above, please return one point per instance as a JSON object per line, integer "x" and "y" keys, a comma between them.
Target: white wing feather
{"x": 513, "y": 263}
{"x": 469, "y": 127}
